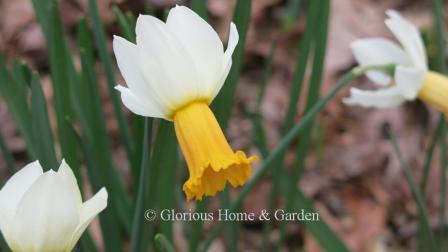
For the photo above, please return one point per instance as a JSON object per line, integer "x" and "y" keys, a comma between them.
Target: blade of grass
{"x": 196, "y": 227}
{"x": 295, "y": 93}
{"x": 222, "y": 105}
{"x": 443, "y": 173}
{"x": 43, "y": 136}
{"x": 21, "y": 72}
{"x": 15, "y": 96}
{"x": 163, "y": 244}
{"x": 95, "y": 124}
{"x": 151, "y": 187}
{"x": 3, "y": 245}
{"x": 314, "y": 88}
{"x": 165, "y": 160}
{"x": 426, "y": 228}
{"x": 138, "y": 221}
{"x": 108, "y": 218}
{"x": 284, "y": 143}
{"x": 7, "y": 155}
{"x": 429, "y": 155}
{"x": 125, "y": 26}
{"x": 292, "y": 13}
{"x": 312, "y": 96}
{"x": 301, "y": 66}
{"x": 62, "y": 75}
{"x": 323, "y": 234}
{"x": 92, "y": 121}
{"x": 259, "y": 138}
{"x": 86, "y": 243}
{"x": 232, "y": 228}
{"x": 138, "y": 130}
{"x": 131, "y": 18}
{"x": 101, "y": 43}
{"x": 438, "y": 64}
{"x": 200, "y": 7}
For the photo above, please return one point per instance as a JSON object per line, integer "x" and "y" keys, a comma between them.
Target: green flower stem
{"x": 7, "y": 155}
{"x": 289, "y": 137}
{"x": 163, "y": 244}
{"x": 429, "y": 155}
{"x": 425, "y": 227}
{"x": 138, "y": 221}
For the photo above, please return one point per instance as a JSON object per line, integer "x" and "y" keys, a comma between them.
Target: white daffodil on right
{"x": 411, "y": 78}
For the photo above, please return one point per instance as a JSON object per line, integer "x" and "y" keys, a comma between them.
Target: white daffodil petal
{"x": 46, "y": 216}
{"x": 127, "y": 59}
{"x": 137, "y": 104}
{"x": 90, "y": 209}
{"x": 409, "y": 80}
{"x": 201, "y": 42}
{"x": 165, "y": 63}
{"x": 227, "y": 61}
{"x": 409, "y": 37}
{"x": 13, "y": 191}
{"x": 69, "y": 179}
{"x": 378, "y": 51}
{"x": 384, "y": 98}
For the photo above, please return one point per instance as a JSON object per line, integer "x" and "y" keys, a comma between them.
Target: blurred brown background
{"x": 352, "y": 173}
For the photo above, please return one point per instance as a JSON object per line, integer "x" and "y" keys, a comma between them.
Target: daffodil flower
{"x": 44, "y": 212}
{"x": 174, "y": 71}
{"x": 411, "y": 78}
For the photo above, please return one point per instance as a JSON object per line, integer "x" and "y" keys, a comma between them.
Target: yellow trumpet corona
{"x": 435, "y": 91}
{"x": 210, "y": 159}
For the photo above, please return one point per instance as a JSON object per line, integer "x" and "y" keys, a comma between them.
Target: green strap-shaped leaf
{"x": 284, "y": 143}
{"x": 43, "y": 137}
{"x": 106, "y": 59}
{"x": 102, "y": 171}
{"x": 7, "y": 156}
{"x": 138, "y": 222}
{"x": 164, "y": 159}
{"x": 223, "y": 103}
{"x": 200, "y": 7}
{"x": 15, "y": 95}
{"x": 62, "y": 75}
{"x": 425, "y": 227}
{"x": 163, "y": 244}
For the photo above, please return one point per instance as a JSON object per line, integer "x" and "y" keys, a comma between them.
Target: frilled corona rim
{"x": 211, "y": 161}
{"x": 213, "y": 178}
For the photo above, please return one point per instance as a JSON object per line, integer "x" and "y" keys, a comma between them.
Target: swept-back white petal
{"x": 69, "y": 179}
{"x": 202, "y": 44}
{"x": 138, "y": 104}
{"x": 90, "y": 209}
{"x": 13, "y": 191}
{"x": 227, "y": 61}
{"x": 409, "y": 37}
{"x": 127, "y": 59}
{"x": 46, "y": 216}
{"x": 383, "y": 98}
{"x": 409, "y": 80}
{"x": 378, "y": 51}
{"x": 165, "y": 63}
